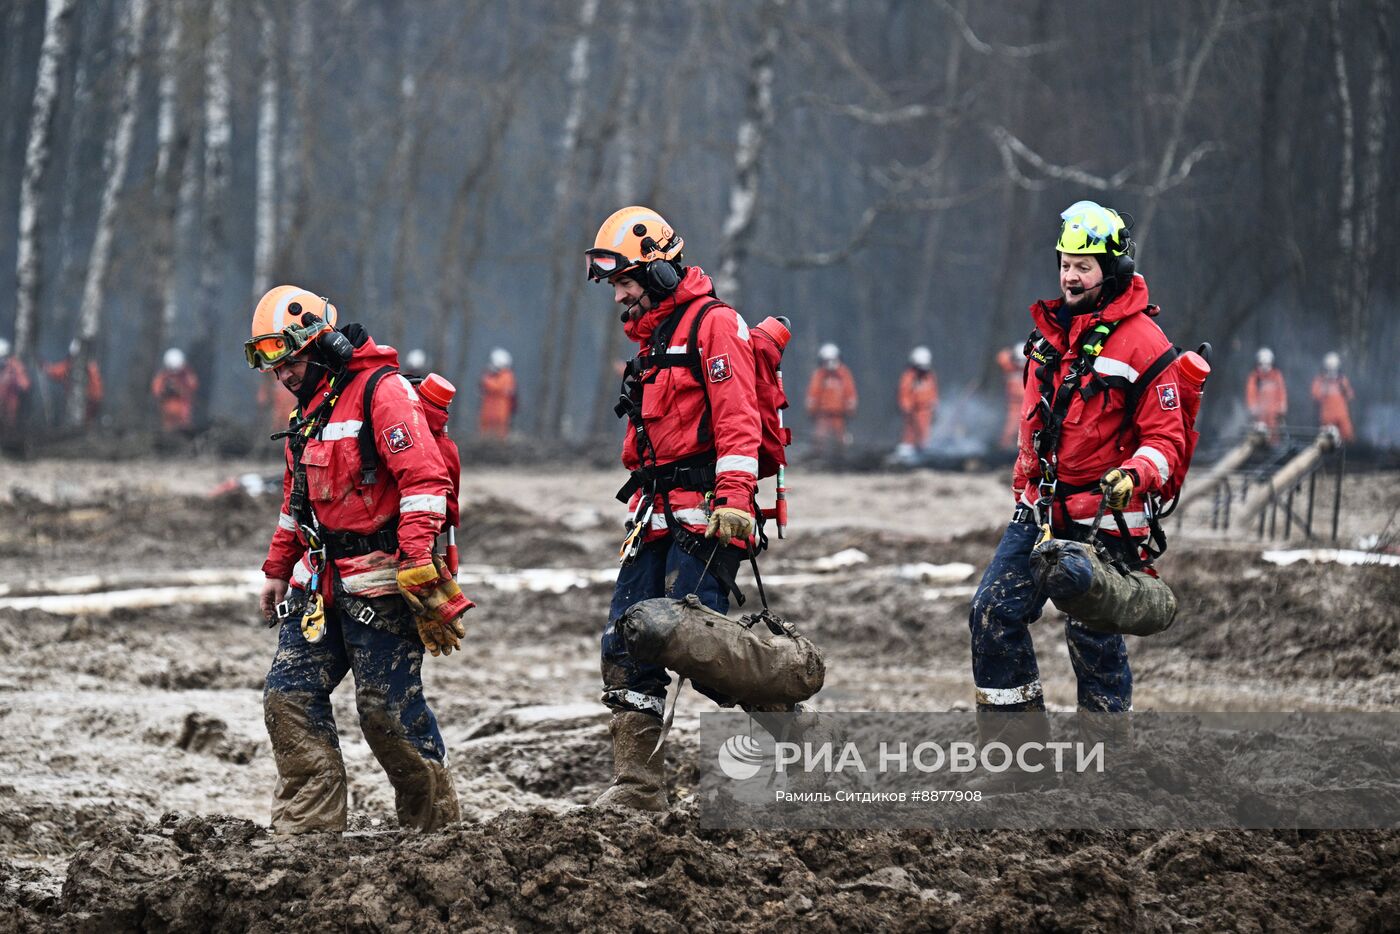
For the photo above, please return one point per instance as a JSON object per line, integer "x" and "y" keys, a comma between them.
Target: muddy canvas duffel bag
{"x": 1083, "y": 585}
{"x": 757, "y": 660}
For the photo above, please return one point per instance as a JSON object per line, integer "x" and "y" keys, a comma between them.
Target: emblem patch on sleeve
{"x": 397, "y": 438}
{"x": 1168, "y": 396}
{"x": 719, "y": 368}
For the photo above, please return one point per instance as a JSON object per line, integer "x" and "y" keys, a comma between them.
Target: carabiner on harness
{"x": 636, "y": 535}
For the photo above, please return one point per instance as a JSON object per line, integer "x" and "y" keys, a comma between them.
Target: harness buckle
{"x": 284, "y": 609}
{"x": 365, "y": 614}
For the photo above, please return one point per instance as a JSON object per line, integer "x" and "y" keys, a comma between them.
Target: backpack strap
{"x": 1138, "y": 387}
{"x": 705, "y": 433}
{"x": 369, "y": 455}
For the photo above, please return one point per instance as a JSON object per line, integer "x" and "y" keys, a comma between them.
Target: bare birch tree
{"x": 265, "y": 204}
{"x": 564, "y": 200}
{"x": 748, "y": 152}
{"x": 217, "y": 137}
{"x": 28, "y": 261}
{"x": 114, "y": 164}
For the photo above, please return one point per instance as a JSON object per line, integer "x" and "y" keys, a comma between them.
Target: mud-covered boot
{"x": 797, "y": 723}
{"x": 1015, "y": 729}
{"x": 639, "y": 778}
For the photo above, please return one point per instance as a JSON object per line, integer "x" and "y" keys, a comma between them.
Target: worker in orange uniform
{"x": 1266, "y": 395}
{"x": 1333, "y": 393}
{"x": 831, "y": 397}
{"x": 60, "y": 371}
{"x": 918, "y": 401}
{"x": 1012, "y": 361}
{"x": 174, "y": 387}
{"x": 498, "y": 398}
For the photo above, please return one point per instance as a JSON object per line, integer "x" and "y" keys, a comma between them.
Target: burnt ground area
{"x": 135, "y": 771}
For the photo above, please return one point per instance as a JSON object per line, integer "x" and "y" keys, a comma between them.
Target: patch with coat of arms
{"x": 1168, "y": 396}
{"x": 718, "y": 368}
{"x": 397, "y": 438}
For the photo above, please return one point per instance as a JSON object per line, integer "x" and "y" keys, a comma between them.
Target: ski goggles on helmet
{"x": 269, "y": 351}
{"x": 604, "y": 264}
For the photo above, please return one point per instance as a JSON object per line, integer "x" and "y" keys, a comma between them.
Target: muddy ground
{"x": 135, "y": 771}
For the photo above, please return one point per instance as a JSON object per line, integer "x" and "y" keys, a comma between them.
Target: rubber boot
{"x": 310, "y": 794}
{"x": 639, "y": 778}
{"x": 1014, "y": 730}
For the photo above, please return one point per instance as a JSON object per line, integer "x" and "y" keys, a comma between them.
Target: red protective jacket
{"x": 410, "y": 491}
{"x": 1154, "y": 442}
{"x": 673, "y": 404}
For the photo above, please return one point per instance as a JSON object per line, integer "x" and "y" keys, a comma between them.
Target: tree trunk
{"x": 265, "y": 198}
{"x": 214, "y": 244}
{"x": 296, "y": 155}
{"x": 114, "y": 163}
{"x": 28, "y": 261}
{"x": 748, "y": 151}
{"x": 564, "y": 247}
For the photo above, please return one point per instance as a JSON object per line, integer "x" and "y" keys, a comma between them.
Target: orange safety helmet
{"x": 629, "y": 238}
{"x": 288, "y": 319}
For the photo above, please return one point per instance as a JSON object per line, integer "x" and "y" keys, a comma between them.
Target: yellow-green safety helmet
{"x": 1089, "y": 227}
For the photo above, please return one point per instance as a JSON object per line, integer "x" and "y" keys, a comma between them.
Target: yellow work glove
{"x": 1117, "y": 485}
{"x": 727, "y": 522}
{"x": 436, "y": 601}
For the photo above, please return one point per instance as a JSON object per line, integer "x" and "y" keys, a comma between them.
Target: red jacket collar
{"x": 1133, "y": 301}
{"x": 693, "y": 285}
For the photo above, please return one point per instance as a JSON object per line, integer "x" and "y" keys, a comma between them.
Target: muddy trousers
{"x": 1004, "y": 667}
{"x": 394, "y": 717}
{"x": 662, "y": 569}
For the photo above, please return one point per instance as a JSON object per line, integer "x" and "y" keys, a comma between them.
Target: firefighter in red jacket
{"x": 1266, "y": 395}
{"x": 691, "y": 496}
{"x": 366, "y": 592}
{"x": 174, "y": 387}
{"x": 1332, "y": 392}
{"x": 1061, "y": 482}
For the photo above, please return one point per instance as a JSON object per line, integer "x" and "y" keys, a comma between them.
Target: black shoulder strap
{"x": 705, "y": 433}
{"x": 1133, "y": 398}
{"x": 369, "y": 455}
{"x": 662, "y": 359}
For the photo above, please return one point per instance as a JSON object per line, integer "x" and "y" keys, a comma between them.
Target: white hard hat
{"x": 415, "y": 360}
{"x": 1332, "y": 361}
{"x": 829, "y": 352}
{"x": 174, "y": 358}
{"x": 73, "y": 347}
{"x": 500, "y": 358}
{"x": 4, "y": 347}
{"x": 1265, "y": 357}
{"x": 921, "y": 358}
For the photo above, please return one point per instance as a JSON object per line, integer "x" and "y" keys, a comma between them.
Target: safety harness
{"x": 325, "y": 545}
{"x": 1054, "y": 406}
{"x": 693, "y": 473}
